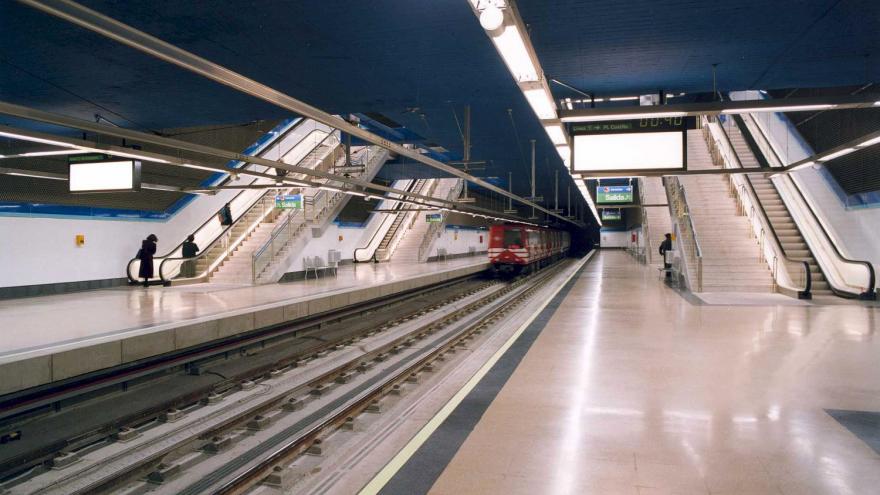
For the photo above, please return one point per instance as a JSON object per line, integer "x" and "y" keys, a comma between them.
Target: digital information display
{"x": 630, "y": 145}
{"x": 611, "y": 214}
{"x": 433, "y": 217}
{"x": 614, "y": 194}
{"x": 289, "y": 201}
{"x": 100, "y": 173}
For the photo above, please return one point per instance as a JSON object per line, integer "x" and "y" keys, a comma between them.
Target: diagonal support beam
{"x": 111, "y": 28}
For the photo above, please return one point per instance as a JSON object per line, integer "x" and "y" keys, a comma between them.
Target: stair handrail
{"x": 387, "y": 217}
{"x": 264, "y": 147}
{"x": 409, "y": 217}
{"x": 229, "y": 245}
{"x": 285, "y": 229}
{"x": 646, "y": 232}
{"x": 772, "y": 156}
{"x": 729, "y": 158}
{"x": 680, "y": 208}
{"x": 288, "y": 229}
{"x": 431, "y": 233}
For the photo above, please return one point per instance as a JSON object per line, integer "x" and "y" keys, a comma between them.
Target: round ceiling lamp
{"x": 491, "y": 18}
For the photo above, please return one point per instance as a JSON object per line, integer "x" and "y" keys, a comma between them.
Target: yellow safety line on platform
{"x": 390, "y": 469}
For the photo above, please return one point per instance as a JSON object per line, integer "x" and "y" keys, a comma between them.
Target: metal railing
{"x": 281, "y": 235}
{"x": 315, "y": 209}
{"x": 724, "y": 155}
{"x": 434, "y": 229}
{"x": 387, "y": 219}
{"x": 679, "y": 208}
{"x": 396, "y": 233}
{"x": 770, "y": 154}
{"x": 212, "y": 229}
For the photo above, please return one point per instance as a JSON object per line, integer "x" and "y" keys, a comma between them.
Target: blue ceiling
{"x": 638, "y": 46}
{"x": 415, "y": 61}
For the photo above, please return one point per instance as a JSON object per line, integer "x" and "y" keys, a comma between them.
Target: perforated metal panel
{"x": 858, "y": 172}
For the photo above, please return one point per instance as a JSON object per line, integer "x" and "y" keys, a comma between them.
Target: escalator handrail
{"x": 755, "y": 200}
{"x": 397, "y": 206}
{"x": 204, "y": 252}
{"x": 870, "y": 291}
{"x": 229, "y": 177}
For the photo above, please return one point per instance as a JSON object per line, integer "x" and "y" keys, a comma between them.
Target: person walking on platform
{"x": 189, "y": 250}
{"x": 226, "y": 215}
{"x": 146, "y": 253}
{"x": 665, "y": 247}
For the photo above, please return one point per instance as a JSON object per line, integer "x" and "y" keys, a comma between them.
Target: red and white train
{"x": 515, "y": 248}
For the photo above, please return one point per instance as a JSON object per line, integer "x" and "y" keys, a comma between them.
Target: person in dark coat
{"x": 189, "y": 250}
{"x": 665, "y": 246}
{"x": 226, "y": 215}
{"x": 146, "y": 253}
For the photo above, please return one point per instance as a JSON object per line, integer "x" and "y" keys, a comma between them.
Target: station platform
{"x": 623, "y": 385}
{"x": 46, "y": 339}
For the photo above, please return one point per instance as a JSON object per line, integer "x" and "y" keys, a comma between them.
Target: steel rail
{"x": 111, "y": 28}
{"x": 24, "y": 402}
{"x": 241, "y": 482}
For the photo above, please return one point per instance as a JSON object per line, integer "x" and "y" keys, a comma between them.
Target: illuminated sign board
{"x": 612, "y": 214}
{"x": 434, "y": 217}
{"x": 102, "y": 173}
{"x": 629, "y": 145}
{"x": 288, "y": 201}
{"x": 614, "y": 194}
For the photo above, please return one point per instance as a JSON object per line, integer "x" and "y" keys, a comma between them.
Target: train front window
{"x": 512, "y": 239}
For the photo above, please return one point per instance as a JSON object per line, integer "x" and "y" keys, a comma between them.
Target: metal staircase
{"x": 781, "y": 222}
{"x": 392, "y": 237}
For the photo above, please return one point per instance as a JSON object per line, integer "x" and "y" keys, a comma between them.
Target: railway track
{"x": 237, "y": 439}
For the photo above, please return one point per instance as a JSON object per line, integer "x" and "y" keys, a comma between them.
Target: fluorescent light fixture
{"x": 512, "y": 47}
{"x": 103, "y": 176}
{"x": 356, "y": 193}
{"x": 328, "y": 188}
{"x": 877, "y": 103}
{"x": 869, "y": 142}
{"x": 22, "y": 137}
{"x": 190, "y": 165}
{"x": 623, "y": 98}
{"x": 802, "y": 166}
{"x": 564, "y": 152}
{"x": 793, "y": 108}
{"x": 568, "y": 104}
{"x": 836, "y": 154}
{"x": 34, "y": 175}
{"x": 622, "y": 116}
{"x": 541, "y": 102}
{"x": 50, "y": 153}
{"x": 556, "y": 133}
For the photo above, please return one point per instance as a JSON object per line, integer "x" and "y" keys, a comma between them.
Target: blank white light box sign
{"x": 106, "y": 176}
{"x": 629, "y": 151}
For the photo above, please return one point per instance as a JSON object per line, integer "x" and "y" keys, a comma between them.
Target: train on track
{"x": 516, "y": 248}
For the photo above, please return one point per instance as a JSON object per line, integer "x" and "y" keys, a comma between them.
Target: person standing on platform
{"x": 146, "y": 253}
{"x": 226, "y": 215}
{"x": 665, "y": 247}
{"x": 189, "y": 250}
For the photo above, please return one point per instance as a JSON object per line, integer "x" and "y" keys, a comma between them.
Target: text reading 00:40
{"x": 657, "y": 122}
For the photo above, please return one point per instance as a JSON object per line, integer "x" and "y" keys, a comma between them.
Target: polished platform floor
{"x": 632, "y": 388}
{"x": 41, "y": 324}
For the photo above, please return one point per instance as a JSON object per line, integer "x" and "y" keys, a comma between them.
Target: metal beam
{"x": 111, "y": 28}
{"x": 719, "y": 107}
{"x": 90, "y": 146}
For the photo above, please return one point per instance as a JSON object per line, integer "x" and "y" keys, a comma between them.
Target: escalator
{"x": 249, "y": 207}
{"x": 795, "y": 221}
